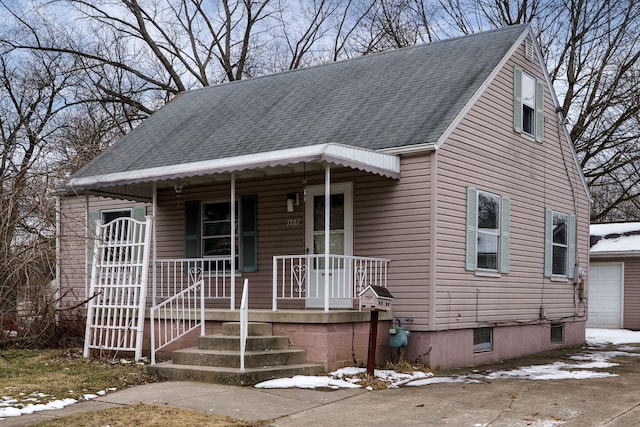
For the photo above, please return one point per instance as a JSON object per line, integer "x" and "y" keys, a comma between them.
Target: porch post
{"x": 154, "y": 205}
{"x": 233, "y": 241}
{"x": 327, "y": 230}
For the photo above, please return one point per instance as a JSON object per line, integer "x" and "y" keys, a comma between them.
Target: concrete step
{"x": 231, "y": 359}
{"x": 254, "y": 329}
{"x": 233, "y": 376}
{"x": 254, "y": 343}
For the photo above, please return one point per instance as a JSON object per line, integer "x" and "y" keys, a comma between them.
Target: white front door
{"x": 340, "y": 243}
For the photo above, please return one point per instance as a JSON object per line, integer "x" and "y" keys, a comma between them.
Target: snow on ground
{"x": 11, "y": 407}
{"x": 348, "y": 377}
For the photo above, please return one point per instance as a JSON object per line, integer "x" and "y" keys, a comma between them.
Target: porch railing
{"x": 175, "y": 275}
{"x": 176, "y": 317}
{"x": 300, "y": 277}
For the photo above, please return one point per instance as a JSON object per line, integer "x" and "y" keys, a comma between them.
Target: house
{"x": 442, "y": 172}
{"x": 614, "y": 276}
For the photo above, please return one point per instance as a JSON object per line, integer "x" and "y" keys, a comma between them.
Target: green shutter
{"x": 517, "y": 99}
{"x": 91, "y": 239}
{"x": 249, "y": 234}
{"x": 192, "y": 229}
{"x": 571, "y": 246}
{"x": 139, "y": 212}
{"x": 539, "y": 116}
{"x": 504, "y": 235}
{"x": 548, "y": 243}
{"x": 472, "y": 230}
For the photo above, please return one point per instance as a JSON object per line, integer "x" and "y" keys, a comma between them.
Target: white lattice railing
{"x": 176, "y": 317}
{"x": 299, "y": 277}
{"x": 174, "y": 275}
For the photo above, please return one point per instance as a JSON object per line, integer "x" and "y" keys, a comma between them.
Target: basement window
{"x": 557, "y": 333}
{"x": 482, "y": 340}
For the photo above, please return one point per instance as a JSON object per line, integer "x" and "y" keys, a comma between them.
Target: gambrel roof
{"x": 374, "y": 104}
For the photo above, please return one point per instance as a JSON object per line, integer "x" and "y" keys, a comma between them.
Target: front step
{"x": 217, "y": 358}
{"x": 231, "y": 359}
{"x": 231, "y": 376}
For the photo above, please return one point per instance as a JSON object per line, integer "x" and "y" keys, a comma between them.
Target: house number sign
{"x": 293, "y": 222}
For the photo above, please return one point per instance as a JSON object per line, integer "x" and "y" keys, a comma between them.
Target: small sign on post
{"x": 376, "y": 299}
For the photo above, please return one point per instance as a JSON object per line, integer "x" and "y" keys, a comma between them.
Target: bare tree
{"x": 592, "y": 52}
{"x": 32, "y": 95}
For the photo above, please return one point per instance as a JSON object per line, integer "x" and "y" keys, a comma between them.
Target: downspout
{"x": 232, "y": 208}
{"x": 327, "y": 230}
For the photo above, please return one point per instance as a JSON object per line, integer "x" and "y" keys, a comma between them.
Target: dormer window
{"x": 528, "y": 105}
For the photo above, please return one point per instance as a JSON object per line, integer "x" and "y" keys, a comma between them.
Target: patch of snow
{"x": 598, "y": 337}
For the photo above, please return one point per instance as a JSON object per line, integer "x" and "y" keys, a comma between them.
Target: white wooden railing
{"x": 176, "y": 317}
{"x": 174, "y": 275}
{"x": 299, "y": 277}
{"x": 244, "y": 321}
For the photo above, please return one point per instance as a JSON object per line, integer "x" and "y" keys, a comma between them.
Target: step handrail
{"x": 244, "y": 321}
{"x": 181, "y": 314}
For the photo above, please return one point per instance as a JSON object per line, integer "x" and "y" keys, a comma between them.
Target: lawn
{"x": 42, "y": 376}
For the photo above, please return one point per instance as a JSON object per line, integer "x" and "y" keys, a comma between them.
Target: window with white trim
{"x": 487, "y": 246}
{"x": 528, "y": 105}
{"x": 560, "y": 236}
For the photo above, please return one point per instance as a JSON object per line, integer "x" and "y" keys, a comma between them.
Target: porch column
{"x": 154, "y": 206}
{"x": 327, "y": 230}
{"x": 233, "y": 241}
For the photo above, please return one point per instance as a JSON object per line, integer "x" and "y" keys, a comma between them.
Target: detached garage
{"x": 614, "y": 276}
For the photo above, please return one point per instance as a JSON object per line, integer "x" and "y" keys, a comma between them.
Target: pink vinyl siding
{"x": 485, "y": 153}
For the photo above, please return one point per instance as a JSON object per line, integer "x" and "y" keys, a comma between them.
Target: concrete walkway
{"x": 613, "y": 401}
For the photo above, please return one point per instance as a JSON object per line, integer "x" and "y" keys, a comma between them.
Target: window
{"x": 487, "y": 246}
{"x": 118, "y": 234}
{"x": 482, "y": 340}
{"x": 216, "y": 230}
{"x": 557, "y": 333}
{"x": 208, "y": 231}
{"x": 528, "y": 105}
{"x": 560, "y": 238}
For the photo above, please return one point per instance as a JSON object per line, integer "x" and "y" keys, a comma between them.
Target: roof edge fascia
{"x": 410, "y": 149}
{"x": 621, "y": 254}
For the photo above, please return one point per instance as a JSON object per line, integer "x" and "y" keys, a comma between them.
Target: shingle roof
{"x": 392, "y": 99}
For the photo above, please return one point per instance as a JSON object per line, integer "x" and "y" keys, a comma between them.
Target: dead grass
{"x": 142, "y": 415}
{"x": 42, "y": 376}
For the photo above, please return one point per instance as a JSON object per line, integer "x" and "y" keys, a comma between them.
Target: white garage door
{"x": 605, "y": 295}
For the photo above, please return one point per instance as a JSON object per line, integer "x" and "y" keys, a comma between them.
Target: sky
{"x": 581, "y": 366}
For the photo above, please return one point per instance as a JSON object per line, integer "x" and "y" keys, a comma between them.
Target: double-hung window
{"x": 560, "y": 236}
{"x": 487, "y": 245}
{"x": 208, "y": 231}
{"x": 528, "y": 105}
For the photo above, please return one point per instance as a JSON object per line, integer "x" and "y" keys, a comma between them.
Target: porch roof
{"x": 383, "y": 164}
